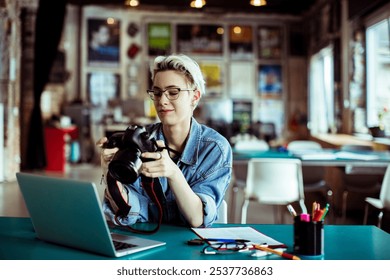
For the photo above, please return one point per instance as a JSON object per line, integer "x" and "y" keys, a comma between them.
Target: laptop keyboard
{"x": 121, "y": 245}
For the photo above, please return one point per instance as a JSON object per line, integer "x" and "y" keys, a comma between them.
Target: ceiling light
{"x": 110, "y": 20}
{"x": 198, "y": 4}
{"x": 237, "y": 30}
{"x": 258, "y": 3}
{"x": 132, "y": 3}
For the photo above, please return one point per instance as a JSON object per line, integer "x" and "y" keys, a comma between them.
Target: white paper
{"x": 247, "y": 233}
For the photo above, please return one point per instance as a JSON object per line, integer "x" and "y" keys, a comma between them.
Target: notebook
{"x": 68, "y": 212}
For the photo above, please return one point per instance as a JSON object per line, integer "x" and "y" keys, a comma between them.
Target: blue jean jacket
{"x": 206, "y": 163}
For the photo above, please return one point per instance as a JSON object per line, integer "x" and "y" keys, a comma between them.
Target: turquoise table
{"x": 327, "y": 157}
{"x": 18, "y": 241}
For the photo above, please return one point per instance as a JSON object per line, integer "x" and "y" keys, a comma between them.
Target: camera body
{"x": 126, "y": 163}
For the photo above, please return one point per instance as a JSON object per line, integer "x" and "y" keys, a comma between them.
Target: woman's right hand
{"x": 106, "y": 154}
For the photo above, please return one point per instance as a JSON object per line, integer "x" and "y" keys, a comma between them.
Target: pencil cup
{"x": 308, "y": 237}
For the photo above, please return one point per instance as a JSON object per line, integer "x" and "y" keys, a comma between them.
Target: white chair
{"x": 274, "y": 181}
{"x": 383, "y": 202}
{"x": 240, "y": 167}
{"x": 222, "y": 213}
{"x": 313, "y": 176}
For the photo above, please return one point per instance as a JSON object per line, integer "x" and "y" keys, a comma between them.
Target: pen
{"x": 225, "y": 240}
{"x": 282, "y": 254}
{"x": 318, "y": 215}
{"x": 314, "y": 208}
{"x": 291, "y": 210}
{"x": 325, "y": 212}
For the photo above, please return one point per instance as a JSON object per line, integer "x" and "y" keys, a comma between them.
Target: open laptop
{"x": 69, "y": 213}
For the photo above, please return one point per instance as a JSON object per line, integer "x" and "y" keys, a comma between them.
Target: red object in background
{"x": 133, "y": 51}
{"x": 55, "y": 144}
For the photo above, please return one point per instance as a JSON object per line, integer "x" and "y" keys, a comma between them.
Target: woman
{"x": 194, "y": 169}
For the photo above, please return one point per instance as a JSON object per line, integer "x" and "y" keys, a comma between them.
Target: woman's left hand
{"x": 161, "y": 164}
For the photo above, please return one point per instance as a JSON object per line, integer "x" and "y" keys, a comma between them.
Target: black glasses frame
{"x": 156, "y": 94}
{"x": 224, "y": 248}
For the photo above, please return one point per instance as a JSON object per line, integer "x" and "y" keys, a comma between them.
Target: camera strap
{"x": 150, "y": 185}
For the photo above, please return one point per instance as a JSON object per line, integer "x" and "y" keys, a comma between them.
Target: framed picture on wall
{"x": 241, "y": 42}
{"x": 103, "y": 87}
{"x": 103, "y": 42}
{"x": 213, "y": 75}
{"x": 242, "y": 116}
{"x": 200, "y": 39}
{"x": 159, "y": 39}
{"x": 269, "y": 42}
{"x": 270, "y": 81}
{"x": 242, "y": 81}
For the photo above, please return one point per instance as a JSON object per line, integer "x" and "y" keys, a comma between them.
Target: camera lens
{"x": 125, "y": 166}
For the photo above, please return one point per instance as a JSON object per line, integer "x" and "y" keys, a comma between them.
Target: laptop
{"x": 69, "y": 213}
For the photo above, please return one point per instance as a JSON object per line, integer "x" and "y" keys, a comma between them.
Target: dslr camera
{"x": 126, "y": 163}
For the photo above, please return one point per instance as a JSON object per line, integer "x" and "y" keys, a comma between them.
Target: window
{"x": 321, "y": 100}
{"x": 378, "y": 73}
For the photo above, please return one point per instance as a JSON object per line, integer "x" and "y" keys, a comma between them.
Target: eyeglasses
{"x": 171, "y": 93}
{"x": 225, "y": 248}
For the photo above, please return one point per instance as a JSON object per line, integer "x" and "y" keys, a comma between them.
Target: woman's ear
{"x": 195, "y": 97}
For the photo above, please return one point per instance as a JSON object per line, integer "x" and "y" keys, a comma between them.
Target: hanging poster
{"x": 270, "y": 42}
{"x": 200, "y": 39}
{"x": 242, "y": 116}
{"x": 242, "y": 81}
{"x": 271, "y": 111}
{"x": 159, "y": 39}
{"x": 103, "y": 87}
{"x": 270, "y": 80}
{"x": 212, "y": 73}
{"x": 241, "y": 42}
{"x": 103, "y": 42}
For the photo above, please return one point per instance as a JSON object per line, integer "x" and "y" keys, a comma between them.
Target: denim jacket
{"x": 206, "y": 163}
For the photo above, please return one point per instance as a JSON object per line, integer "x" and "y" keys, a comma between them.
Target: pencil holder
{"x": 308, "y": 237}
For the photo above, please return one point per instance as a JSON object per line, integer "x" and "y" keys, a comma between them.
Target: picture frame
{"x": 269, "y": 42}
{"x": 159, "y": 39}
{"x": 103, "y": 87}
{"x": 242, "y": 115}
{"x": 103, "y": 42}
{"x": 270, "y": 82}
{"x": 199, "y": 39}
{"x": 213, "y": 75}
{"x": 241, "y": 42}
{"x": 242, "y": 81}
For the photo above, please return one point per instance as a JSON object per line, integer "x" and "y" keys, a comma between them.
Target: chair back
{"x": 384, "y": 195}
{"x": 222, "y": 213}
{"x": 311, "y": 174}
{"x": 275, "y": 181}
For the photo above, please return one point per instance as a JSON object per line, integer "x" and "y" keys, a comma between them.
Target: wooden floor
{"x": 12, "y": 203}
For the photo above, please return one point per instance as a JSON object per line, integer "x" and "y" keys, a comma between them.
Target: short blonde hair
{"x": 183, "y": 64}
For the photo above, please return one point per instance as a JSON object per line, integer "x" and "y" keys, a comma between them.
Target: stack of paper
{"x": 247, "y": 233}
